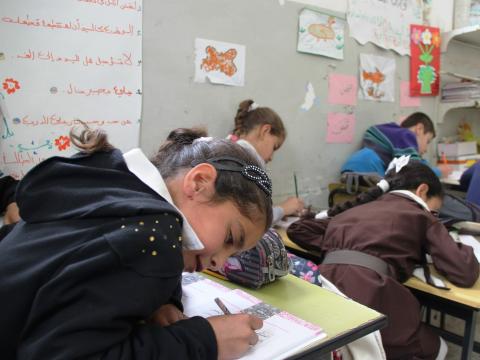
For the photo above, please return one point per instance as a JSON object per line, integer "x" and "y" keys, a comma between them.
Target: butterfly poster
{"x": 219, "y": 62}
{"x": 424, "y": 60}
{"x": 377, "y": 78}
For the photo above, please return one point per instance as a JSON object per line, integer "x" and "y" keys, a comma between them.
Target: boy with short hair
{"x": 383, "y": 142}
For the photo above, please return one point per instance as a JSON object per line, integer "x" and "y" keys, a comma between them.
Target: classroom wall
{"x": 276, "y": 76}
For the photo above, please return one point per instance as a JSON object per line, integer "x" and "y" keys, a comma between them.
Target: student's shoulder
{"x": 149, "y": 244}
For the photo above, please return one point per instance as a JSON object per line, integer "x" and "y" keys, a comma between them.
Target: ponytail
{"x": 89, "y": 141}
{"x": 409, "y": 177}
{"x": 250, "y": 115}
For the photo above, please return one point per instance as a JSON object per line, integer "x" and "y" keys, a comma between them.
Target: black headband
{"x": 251, "y": 172}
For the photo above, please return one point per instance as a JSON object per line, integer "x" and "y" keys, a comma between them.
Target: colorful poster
{"x": 67, "y": 62}
{"x": 405, "y": 99}
{"x": 377, "y": 78}
{"x": 321, "y": 34}
{"x": 385, "y": 23}
{"x": 342, "y": 89}
{"x": 219, "y": 62}
{"x": 425, "y": 61}
{"x": 340, "y": 127}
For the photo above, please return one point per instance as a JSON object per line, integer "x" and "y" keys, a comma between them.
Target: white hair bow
{"x": 204, "y": 138}
{"x": 398, "y": 163}
{"x": 253, "y": 106}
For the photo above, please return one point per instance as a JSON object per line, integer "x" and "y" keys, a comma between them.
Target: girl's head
{"x": 261, "y": 126}
{"x": 221, "y": 190}
{"x": 415, "y": 177}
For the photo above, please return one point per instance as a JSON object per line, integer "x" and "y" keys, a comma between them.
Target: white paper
{"x": 383, "y": 22}
{"x": 65, "y": 61}
{"x": 473, "y": 242}
{"x": 377, "y": 78}
{"x": 282, "y": 334}
{"x": 321, "y": 34}
{"x": 337, "y": 5}
{"x": 309, "y": 97}
{"x": 419, "y": 273}
{"x": 219, "y": 62}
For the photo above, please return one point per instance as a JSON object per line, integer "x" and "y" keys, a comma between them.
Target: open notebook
{"x": 282, "y": 334}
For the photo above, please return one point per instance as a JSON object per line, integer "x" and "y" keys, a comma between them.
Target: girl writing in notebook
{"x": 373, "y": 244}
{"x": 260, "y": 130}
{"x": 93, "y": 269}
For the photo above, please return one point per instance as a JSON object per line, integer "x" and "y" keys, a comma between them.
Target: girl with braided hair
{"x": 372, "y": 245}
{"x": 260, "y": 130}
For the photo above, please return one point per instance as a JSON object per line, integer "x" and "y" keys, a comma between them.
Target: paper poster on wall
{"x": 320, "y": 34}
{"x": 337, "y": 5}
{"x": 67, "y": 62}
{"x": 425, "y": 61}
{"x": 385, "y": 23}
{"x": 405, "y": 99}
{"x": 310, "y": 97}
{"x": 219, "y": 62}
{"x": 342, "y": 89}
{"x": 377, "y": 78}
{"x": 340, "y": 128}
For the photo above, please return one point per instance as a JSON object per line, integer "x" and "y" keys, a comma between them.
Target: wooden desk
{"x": 343, "y": 320}
{"x": 463, "y": 303}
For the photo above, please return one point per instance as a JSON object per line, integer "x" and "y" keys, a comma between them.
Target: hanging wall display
{"x": 66, "y": 64}
{"x": 321, "y": 34}
{"x": 424, "y": 60}
{"x": 377, "y": 78}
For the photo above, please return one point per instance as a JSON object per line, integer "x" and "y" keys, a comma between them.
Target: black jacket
{"x": 97, "y": 252}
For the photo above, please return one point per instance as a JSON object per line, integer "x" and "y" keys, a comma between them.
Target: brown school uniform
{"x": 398, "y": 230}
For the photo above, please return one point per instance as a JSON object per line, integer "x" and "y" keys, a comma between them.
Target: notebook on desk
{"x": 282, "y": 334}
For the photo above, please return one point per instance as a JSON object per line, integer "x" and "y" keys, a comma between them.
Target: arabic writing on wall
{"x": 77, "y": 62}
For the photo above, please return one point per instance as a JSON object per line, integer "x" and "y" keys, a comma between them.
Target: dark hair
{"x": 182, "y": 148}
{"x": 247, "y": 119}
{"x": 410, "y": 177}
{"x": 89, "y": 141}
{"x": 419, "y": 118}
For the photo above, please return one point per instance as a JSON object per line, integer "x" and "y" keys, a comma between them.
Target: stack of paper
{"x": 460, "y": 91}
{"x": 282, "y": 334}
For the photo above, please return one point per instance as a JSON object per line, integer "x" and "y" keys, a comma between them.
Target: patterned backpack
{"x": 260, "y": 265}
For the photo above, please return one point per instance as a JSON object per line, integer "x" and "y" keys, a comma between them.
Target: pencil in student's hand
{"x": 222, "y": 306}
{"x": 295, "y": 182}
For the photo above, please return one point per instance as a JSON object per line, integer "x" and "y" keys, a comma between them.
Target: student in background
{"x": 470, "y": 182}
{"x": 7, "y": 200}
{"x": 93, "y": 269}
{"x": 373, "y": 244}
{"x": 261, "y": 131}
{"x": 8, "y": 206}
{"x": 384, "y": 142}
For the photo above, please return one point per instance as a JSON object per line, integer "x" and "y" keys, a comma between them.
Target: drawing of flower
{"x": 10, "y": 85}
{"x": 416, "y": 36}
{"x": 427, "y": 37}
{"x": 62, "y": 142}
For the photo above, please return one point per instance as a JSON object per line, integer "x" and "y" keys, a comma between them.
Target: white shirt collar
{"x": 141, "y": 167}
{"x": 412, "y": 196}
{"x": 246, "y": 145}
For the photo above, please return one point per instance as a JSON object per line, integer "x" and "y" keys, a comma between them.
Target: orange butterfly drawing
{"x": 221, "y": 61}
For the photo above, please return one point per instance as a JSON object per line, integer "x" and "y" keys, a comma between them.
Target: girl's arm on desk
{"x": 308, "y": 233}
{"x": 455, "y": 261}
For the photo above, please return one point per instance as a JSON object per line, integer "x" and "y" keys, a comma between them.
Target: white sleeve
{"x": 277, "y": 214}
